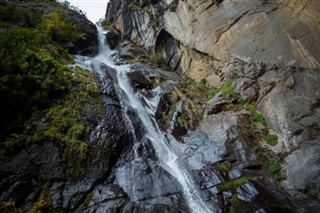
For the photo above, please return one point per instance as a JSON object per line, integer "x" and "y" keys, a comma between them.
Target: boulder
{"x": 303, "y": 168}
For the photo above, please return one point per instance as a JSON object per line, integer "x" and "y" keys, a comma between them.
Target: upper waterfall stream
{"x": 145, "y": 110}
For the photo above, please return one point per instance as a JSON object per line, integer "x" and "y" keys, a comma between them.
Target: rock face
{"x": 271, "y": 48}
{"x": 266, "y": 55}
{"x": 88, "y": 44}
{"x": 281, "y": 32}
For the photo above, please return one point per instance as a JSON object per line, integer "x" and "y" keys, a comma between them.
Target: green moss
{"x": 66, "y": 122}
{"x": 275, "y": 169}
{"x": 233, "y": 184}
{"x": 87, "y": 200}
{"x": 271, "y": 139}
{"x": 157, "y": 59}
{"x": 43, "y": 204}
{"x": 223, "y": 166}
{"x": 257, "y": 117}
{"x": 273, "y": 165}
{"x": 237, "y": 206}
{"x": 9, "y": 207}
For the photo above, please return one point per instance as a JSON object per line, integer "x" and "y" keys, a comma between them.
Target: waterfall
{"x": 168, "y": 159}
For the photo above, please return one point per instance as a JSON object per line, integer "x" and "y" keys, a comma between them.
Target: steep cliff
{"x": 278, "y": 32}
{"x": 128, "y": 131}
{"x": 270, "y": 49}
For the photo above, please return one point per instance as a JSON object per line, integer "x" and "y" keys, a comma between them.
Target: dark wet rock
{"x": 74, "y": 192}
{"x": 140, "y": 81}
{"x": 88, "y": 44}
{"x": 215, "y": 105}
{"x": 210, "y": 177}
{"x": 104, "y": 193}
{"x": 168, "y": 47}
{"x": 114, "y": 38}
{"x": 274, "y": 191}
{"x": 262, "y": 210}
{"x": 40, "y": 162}
{"x": 303, "y": 201}
{"x": 108, "y": 206}
{"x": 128, "y": 52}
{"x": 247, "y": 192}
{"x": 141, "y": 171}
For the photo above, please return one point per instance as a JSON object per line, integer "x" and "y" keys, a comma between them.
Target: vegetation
{"x": 104, "y": 24}
{"x": 233, "y": 184}
{"x": 9, "y": 207}
{"x": 43, "y": 204}
{"x": 223, "y": 166}
{"x": 32, "y": 61}
{"x": 234, "y": 102}
{"x": 271, "y": 139}
{"x": 42, "y": 99}
{"x": 275, "y": 169}
{"x": 62, "y": 122}
{"x": 237, "y": 205}
{"x": 158, "y": 59}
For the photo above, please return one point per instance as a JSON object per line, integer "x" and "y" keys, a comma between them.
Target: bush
{"x": 58, "y": 26}
{"x": 33, "y": 71}
{"x": 233, "y": 184}
{"x": 271, "y": 139}
{"x": 157, "y": 59}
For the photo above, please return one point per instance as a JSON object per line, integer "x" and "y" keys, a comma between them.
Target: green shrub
{"x": 257, "y": 117}
{"x": 33, "y": 71}
{"x": 11, "y": 14}
{"x": 9, "y": 207}
{"x": 271, "y": 139}
{"x": 222, "y": 166}
{"x": 104, "y": 24}
{"x": 157, "y": 59}
{"x": 58, "y": 26}
{"x": 233, "y": 184}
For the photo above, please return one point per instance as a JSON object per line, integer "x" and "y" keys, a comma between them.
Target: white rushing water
{"x": 168, "y": 159}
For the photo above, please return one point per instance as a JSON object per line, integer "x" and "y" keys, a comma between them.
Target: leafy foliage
{"x": 33, "y": 72}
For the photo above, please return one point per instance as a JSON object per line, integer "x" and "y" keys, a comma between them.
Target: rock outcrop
{"x": 270, "y": 48}
{"x": 249, "y": 145}
{"x": 88, "y": 44}
{"x": 279, "y": 32}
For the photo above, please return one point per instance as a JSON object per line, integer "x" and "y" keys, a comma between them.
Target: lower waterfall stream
{"x": 145, "y": 109}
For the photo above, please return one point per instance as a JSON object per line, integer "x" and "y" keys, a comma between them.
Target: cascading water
{"x": 145, "y": 110}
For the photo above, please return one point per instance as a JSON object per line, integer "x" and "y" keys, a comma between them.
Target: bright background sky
{"x": 94, "y": 9}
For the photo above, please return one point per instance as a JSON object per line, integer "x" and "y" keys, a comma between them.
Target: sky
{"x": 94, "y": 9}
